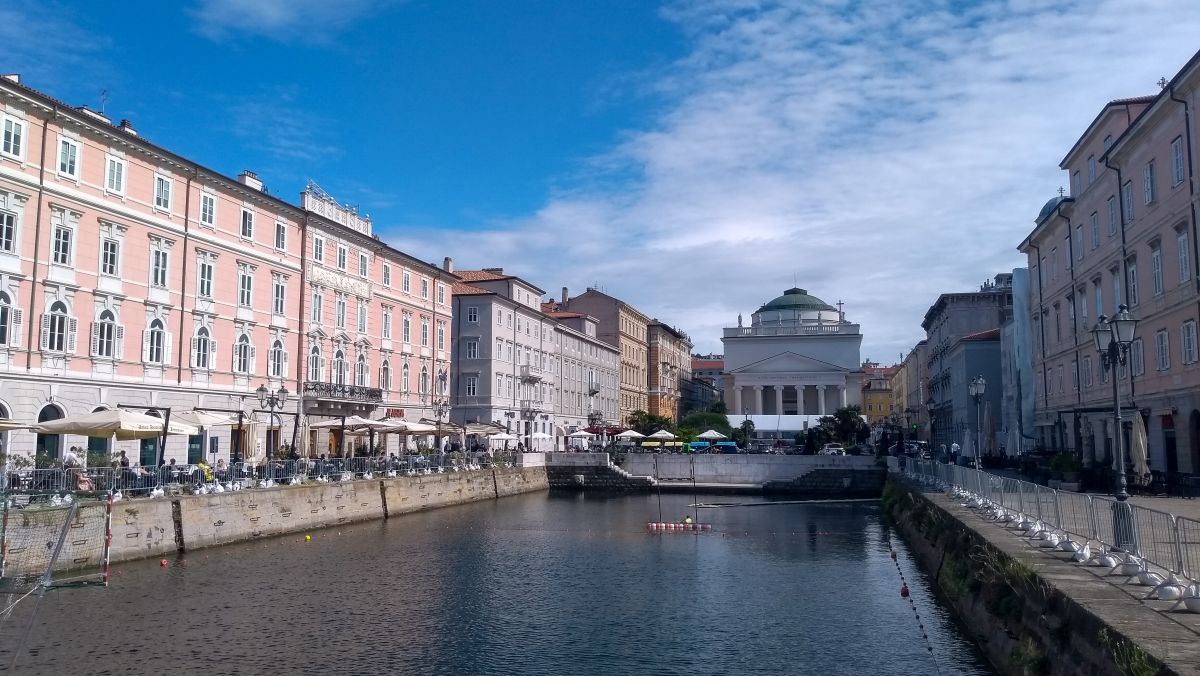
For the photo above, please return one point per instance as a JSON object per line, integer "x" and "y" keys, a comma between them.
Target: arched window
{"x": 404, "y": 379}
{"x": 54, "y": 328}
{"x": 241, "y": 354}
{"x": 339, "y": 368}
{"x": 156, "y": 343}
{"x": 424, "y": 384}
{"x": 385, "y": 375}
{"x": 360, "y": 371}
{"x": 7, "y": 328}
{"x": 316, "y": 365}
{"x": 49, "y": 445}
{"x": 202, "y": 349}
{"x": 104, "y": 334}
{"x": 278, "y": 359}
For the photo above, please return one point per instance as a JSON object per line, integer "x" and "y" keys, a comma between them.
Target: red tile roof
{"x": 708, "y": 364}
{"x": 460, "y": 289}
{"x": 479, "y": 275}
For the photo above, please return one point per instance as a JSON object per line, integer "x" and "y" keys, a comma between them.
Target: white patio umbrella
{"x": 710, "y": 435}
{"x": 503, "y": 436}
{"x": 351, "y": 422}
{"x": 203, "y": 418}
{"x": 114, "y": 422}
{"x": 1137, "y": 451}
{"x": 581, "y": 434}
{"x": 662, "y": 434}
{"x": 8, "y": 425}
{"x": 630, "y": 434}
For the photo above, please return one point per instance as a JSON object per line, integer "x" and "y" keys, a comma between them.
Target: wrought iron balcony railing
{"x": 370, "y": 395}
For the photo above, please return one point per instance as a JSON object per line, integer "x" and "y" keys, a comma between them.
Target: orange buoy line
{"x": 679, "y": 527}
{"x": 904, "y": 594}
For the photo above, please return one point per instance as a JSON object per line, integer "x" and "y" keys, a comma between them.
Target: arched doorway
{"x": 98, "y": 448}
{"x": 1169, "y": 448}
{"x": 48, "y": 446}
{"x": 148, "y": 455}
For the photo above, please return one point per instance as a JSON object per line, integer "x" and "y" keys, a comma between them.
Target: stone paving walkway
{"x": 1185, "y": 507}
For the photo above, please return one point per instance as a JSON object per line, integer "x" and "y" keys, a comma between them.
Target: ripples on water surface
{"x": 525, "y": 585}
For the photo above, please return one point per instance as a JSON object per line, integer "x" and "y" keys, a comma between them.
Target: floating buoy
{"x": 893, "y": 555}
{"x": 307, "y": 538}
{"x": 162, "y": 563}
{"x": 903, "y": 590}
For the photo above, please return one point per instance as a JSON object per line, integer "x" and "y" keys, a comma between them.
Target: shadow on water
{"x": 532, "y": 584}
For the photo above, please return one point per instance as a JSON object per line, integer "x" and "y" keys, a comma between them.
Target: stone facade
{"x": 668, "y": 367}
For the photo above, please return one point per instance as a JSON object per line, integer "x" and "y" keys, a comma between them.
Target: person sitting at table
{"x": 71, "y": 458}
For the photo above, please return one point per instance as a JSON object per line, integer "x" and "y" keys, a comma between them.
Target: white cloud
{"x": 285, "y": 20}
{"x": 881, "y": 152}
{"x": 274, "y": 123}
{"x": 33, "y": 35}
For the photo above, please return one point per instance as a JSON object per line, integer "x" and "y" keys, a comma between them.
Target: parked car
{"x": 833, "y": 449}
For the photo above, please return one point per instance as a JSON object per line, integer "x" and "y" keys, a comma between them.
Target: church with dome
{"x": 798, "y": 360}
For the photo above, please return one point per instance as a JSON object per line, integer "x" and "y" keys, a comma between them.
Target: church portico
{"x": 760, "y": 398}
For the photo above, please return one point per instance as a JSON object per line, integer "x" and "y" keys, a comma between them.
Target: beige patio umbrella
{"x": 629, "y": 434}
{"x": 710, "y": 435}
{"x": 9, "y": 425}
{"x": 114, "y": 422}
{"x": 204, "y": 418}
{"x": 1137, "y": 451}
{"x": 661, "y": 434}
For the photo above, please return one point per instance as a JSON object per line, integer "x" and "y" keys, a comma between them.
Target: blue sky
{"x": 690, "y": 157}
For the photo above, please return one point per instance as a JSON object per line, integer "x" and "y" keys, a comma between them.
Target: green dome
{"x": 796, "y": 299}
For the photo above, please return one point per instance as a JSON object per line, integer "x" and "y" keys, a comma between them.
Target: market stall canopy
{"x": 204, "y": 418}
{"x": 114, "y": 422}
{"x": 710, "y": 434}
{"x": 662, "y": 434}
{"x": 630, "y": 434}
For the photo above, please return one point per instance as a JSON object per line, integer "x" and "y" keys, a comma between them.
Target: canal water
{"x": 534, "y": 584}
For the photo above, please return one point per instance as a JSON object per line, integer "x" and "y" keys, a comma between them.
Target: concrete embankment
{"x": 1033, "y": 611}
{"x": 157, "y": 527}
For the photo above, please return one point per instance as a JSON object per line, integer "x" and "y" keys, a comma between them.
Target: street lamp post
{"x": 929, "y": 418}
{"x": 271, "y": 401}
{"x": 1113, "y": 336}
{"x": 976, "y": 389}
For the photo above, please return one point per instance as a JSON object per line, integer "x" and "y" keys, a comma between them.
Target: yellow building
{"x": 877, "y": 404}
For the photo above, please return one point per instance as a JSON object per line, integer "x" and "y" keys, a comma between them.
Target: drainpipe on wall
{"x": 1124, "y": 258}
{"x": 1041, "y": 322}
{"x": 187, "y": 221}
{"x": 1187, "y": 135}
{"x": 37, "y": 241}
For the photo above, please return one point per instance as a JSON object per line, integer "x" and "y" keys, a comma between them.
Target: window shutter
{"x": 212, "y": 357}
{"x": 95, "y": 339}
{"x": 119, "y": 341}
{"x": 253, "y": 360}
{"x": 195, "y": 350}
{"x": 45, "y": 331}
{"x": 72, "y": 333}
{"x": 146, "y": 345}
{"x": 166, "y": 347}
{"x": 14, "y": 333}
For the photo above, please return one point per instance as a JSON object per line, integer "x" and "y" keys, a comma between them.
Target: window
{"x": 8, "y": 232}
{"x": 1116, "y": 278}
{"x": 154, "y": 343}
{"x": 315, "y": 365}
{"x": 404, "y": 379}
{"x": 1188, "y": 342}
{"x": 1074, "y": 375}
{"x": 1162, "y": 350}
{"x": 1091, "y": 168}
{"x": 339, "y": 368}
{"x": 387, "y": 322}
{"x": 1108, "y": 141}
{"x": 278, "y": 359}
{"x": 158, "y": 268}
{"x": 472, "y": 349}
{"x": 441, "y": 336}
{"x": 247, "y": 223}
{"x": 1137, "y": 358}
{"x": 424, "y": 382}
{"x": 473, "y": 315}
{"x": 68, "y": 157}
{"x": 424, "y": 288}
{"x": 1185, "y": 262}
{"x": 62, "y": 245}
{"x": 1148, "y": 182}
{"x": 499, "y": 385}
{"x": 278, "y": 294}
{"x": 1099, "y": 291}
{"x": 362, "y": 264}
{"x": 471, "y": 387}
{"x": 339, "y": 311}
{"x": 387, "y": 275}
{"x": 1131, "y": 291}
{"x": 106, "y": 336}
{"x": 406, "y": 282}
{"x": 109, "y": 257}
{"x": 1053, "y": 264}
{"x": 1076, "y": 184}
{"x": 360, "y": 371}
{"x": 1087, "y": 371}
{"x": 14, "y": 138}
{"x": 10, "y": 322}
{"x": 499, "y": 318}
{"x": 204, "y": 286}
{"x": 203, "y": 349}
{"x": 1112, "y": 216}
{"x": 424, "y": 332}
{"x": 245, "y": 288}
{"x": 406, "y": 329}
{"x": 242, "y": 355}
{"x": 1127, "y": 199}
{"x": 499, "y": 349}
{"x": 318, "y": 249}
{"x": 441, "y": 294}
{"x": 341, "y": 257}
{"x": 1095, "y": 223}
{"x": 1083, "y": 308}
{"x": 362, "y": 317}
{"x": 1156, "y": 276}
{"x": 162, "y": 192}
{"x": 114, "y": 179}
{"x": 280, "y": 236}
{"x": 208, "y": 209}
{"x": 385, "y": 375}
{"x": 1177, "y": 161}
{"x": 318, "y": 302}
{"x": 1079, "y": 242}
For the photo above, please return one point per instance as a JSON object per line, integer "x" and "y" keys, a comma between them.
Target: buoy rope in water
{"x": 905, "y": 595}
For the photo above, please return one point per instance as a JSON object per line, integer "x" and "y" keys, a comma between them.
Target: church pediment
{"x": 790, "y": 362}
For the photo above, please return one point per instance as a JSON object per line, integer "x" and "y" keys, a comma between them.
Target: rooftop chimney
{"x": 12, "y": 77}
{"x": 250, "y": 180}
{"x": 448, "y": 264}
{"x": 127, "y": 127}
{"x": 565, "y": 297}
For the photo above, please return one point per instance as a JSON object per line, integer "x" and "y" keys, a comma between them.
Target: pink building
{"x": 1125, "y": 234}
{"x": 132, "y": 276}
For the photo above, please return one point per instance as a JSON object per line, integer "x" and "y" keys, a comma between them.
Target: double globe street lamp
{"x": 976, "y": 388}
{"x": 272, "y": 400}
{"x": 1113, "y": 337}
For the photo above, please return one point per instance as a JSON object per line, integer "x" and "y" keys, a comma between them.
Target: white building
{"x": 798, "y": 360}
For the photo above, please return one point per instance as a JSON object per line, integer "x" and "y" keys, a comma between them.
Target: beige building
{"x": 1124, "y": 234}
{"x": 908, "y": 392}
{"x": 624, "y": 327}
{"x": 669, "y": 366}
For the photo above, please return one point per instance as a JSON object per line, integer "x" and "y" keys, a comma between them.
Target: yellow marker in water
{"x": 307, "y": 538}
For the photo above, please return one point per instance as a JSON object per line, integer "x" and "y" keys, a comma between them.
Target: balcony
{"x": 337, "y": 392}
{"x": 531, "y": 374}
{"x": 802, "y": 330}
{"x": 531, "y": 406}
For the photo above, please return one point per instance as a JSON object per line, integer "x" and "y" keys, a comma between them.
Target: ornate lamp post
{"x": 929, "y": 416}
{"x": 1113, "y": 336}
{"x": 976, "y": 389}
{"x": 271, "y": 401}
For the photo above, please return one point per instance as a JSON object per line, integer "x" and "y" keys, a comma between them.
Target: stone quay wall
{"x": 739, "y": 468}
{"x": 592, "y": 471}
{"x": 1033, "y": 611}
{"x": 859, "y": 482}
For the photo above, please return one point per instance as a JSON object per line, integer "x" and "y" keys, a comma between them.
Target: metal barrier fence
{"x": 1069, "y": 521}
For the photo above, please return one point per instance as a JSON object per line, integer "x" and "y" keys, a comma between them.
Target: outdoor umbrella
{"x": 114, "y": 422}
{"x": 630, "y": 434}
{"x": 581, "y": 434}
{"x": 662, "y": 434}
{"x": 204, "y": 419}
{"x": 1137, "y": 451}
{"x": 7, "y": 425}
{"x": 710, "y": 434}
{"x": 503, "y": 436}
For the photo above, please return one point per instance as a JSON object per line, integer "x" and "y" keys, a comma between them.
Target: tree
{"x": 846, "y": 425}
{"x": 647, "y": 424}
{"x": 707, "y": 420}
{"x": 719, "y": 408}
{"x": 744, "y": 433}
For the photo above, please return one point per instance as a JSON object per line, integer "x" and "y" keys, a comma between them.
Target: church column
{"x": 820, "y": 400}
{"x": 758, "y": 399}
{"x": 778, "y": 399}
{"x": 842, "y": 395}
{"x": 737, "y": 399}
{"x": 800, "y": 399}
